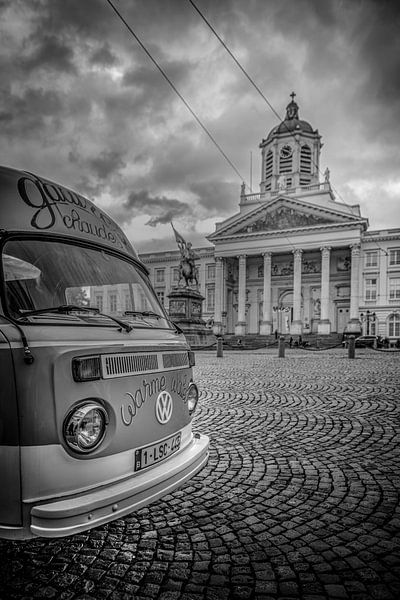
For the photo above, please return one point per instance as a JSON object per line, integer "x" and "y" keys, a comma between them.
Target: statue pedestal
{"x": 185, "y": 309}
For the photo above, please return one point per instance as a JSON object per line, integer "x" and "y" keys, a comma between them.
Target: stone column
{"x": 219, "y": 294}
{"x": 266, "y": 324}
{"x": 240, "y": 327}
{"x": 297, "y": 325}
{"x": 324, "y": 326}
{"x": 354, "y": 325}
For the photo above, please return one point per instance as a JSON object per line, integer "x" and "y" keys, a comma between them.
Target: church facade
{"x": 293, "y": 259}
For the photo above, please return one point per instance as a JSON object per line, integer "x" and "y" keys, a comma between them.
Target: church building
{"x": 293, "y": 259}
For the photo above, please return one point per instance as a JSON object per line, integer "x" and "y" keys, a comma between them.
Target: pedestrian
{"x": 300, "y": 340}
{"x": 290, "y": 342}
{"x": 276, "y": 334}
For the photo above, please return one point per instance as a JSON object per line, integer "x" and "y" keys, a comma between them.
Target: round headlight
{"x": 85, "y": 427}
{"x": 192, "y": 397}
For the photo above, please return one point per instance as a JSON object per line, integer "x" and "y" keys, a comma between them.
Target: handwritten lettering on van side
{"x": 77, "y": 214}
{"x": 148, "y": 389}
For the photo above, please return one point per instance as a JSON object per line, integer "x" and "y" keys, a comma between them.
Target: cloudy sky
{"x": 81, "y": 103}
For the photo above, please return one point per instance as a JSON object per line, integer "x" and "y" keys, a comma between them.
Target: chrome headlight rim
{"x": 71, "y": 431}
{"x": 192, "y": 389}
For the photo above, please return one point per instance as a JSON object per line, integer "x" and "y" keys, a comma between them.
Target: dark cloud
{"x": 379, "y": 57}
{"x": 32, "y": 111}
{"x": 162, "y": 209}
{"x": 105, "y": 164}
{"x": 50, "y": 53}
{"x": 86, "y": 19}
{"x": 103, "y": 56}
{"x": 216, "y": 197}
{"x": 148, "y": 77}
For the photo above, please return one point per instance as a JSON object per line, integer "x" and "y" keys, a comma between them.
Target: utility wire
{"x": 236, "y": 60}
{"x": 254, "y": 85}
{"x": 163, "y": 73}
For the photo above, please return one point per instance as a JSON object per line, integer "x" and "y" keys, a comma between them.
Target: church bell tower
{"x": 290, "y": 154}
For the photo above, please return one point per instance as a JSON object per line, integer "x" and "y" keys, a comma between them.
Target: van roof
{"x": 29, "y": 203}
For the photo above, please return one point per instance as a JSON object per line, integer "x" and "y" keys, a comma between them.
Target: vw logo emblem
{"x": 163, "y": 407}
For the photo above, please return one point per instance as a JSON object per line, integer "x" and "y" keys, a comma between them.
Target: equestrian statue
{"x": 187, "y": 267}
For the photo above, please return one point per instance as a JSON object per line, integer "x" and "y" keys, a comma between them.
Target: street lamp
{"x": 368, "y": 318}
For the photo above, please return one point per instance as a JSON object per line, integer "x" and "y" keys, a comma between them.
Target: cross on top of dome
{"x": 292, "y": 109}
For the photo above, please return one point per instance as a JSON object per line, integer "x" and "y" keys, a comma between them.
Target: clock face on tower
{"x": 286, "y": 152}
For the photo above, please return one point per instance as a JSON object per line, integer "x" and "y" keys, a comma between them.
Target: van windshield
{"x": 41, "y": 276}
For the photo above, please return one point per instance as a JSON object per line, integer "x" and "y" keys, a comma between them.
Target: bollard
{"x": 220, "y": 351}
{"x": 351, "y": 345}
{"x": 281, "y": 347}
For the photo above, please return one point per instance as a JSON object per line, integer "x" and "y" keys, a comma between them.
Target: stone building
{"x": 293, "y": 259}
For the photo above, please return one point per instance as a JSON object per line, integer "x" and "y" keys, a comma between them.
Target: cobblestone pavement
{"x": 300, "y": 498}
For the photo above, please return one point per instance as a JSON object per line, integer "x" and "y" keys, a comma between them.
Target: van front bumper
{"x": 69, "y": 516}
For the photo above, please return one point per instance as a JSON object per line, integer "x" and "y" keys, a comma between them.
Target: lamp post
{"x": 368, "y": 318}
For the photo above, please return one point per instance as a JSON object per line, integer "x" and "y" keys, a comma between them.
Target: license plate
{"x": 150, "y": 455}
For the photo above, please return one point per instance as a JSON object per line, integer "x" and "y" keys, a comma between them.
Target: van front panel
{"x": 97, "y": 391}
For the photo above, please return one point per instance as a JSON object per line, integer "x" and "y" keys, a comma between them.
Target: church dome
{"x": 292, "y": 123}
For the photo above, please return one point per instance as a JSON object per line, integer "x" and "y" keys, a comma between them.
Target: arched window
{"x": 394, "y": 325}
{"x": 305, "y": 165}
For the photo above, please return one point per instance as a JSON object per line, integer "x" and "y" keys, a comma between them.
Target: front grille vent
{"x": 175, "y": 359}
{"x": 117, "y": 365}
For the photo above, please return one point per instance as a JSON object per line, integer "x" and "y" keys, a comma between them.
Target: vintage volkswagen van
{"x": 97, "y": 394}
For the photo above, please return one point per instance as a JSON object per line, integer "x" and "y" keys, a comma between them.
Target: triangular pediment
{"x": 283, "y": 217}
{"x": 283, "y": 214}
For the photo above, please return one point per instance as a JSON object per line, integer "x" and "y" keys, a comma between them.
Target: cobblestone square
{"x": 300, "y": 497}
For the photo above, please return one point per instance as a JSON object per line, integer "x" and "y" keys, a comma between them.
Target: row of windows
{"x": 371, "y": 258}
{"x": 371, "y": 284}
{"x": 112, "y": 306}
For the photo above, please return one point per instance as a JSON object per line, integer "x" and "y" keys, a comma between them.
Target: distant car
{"x": 369, "y": 341}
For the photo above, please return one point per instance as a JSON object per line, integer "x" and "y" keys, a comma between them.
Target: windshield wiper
{"x": 63, "y": 308}
{"x": 150, "y": 313}
{"x": 142, "y": 313}
{"x": 66, "y": 308}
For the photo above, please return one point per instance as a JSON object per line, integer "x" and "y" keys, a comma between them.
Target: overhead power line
{"x": 254, "y": 85}
{"x": 163, "y": 73}
{"x": 235, "y": 59}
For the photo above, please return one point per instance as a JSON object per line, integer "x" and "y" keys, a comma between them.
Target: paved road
{"x": 300, "y": 498}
